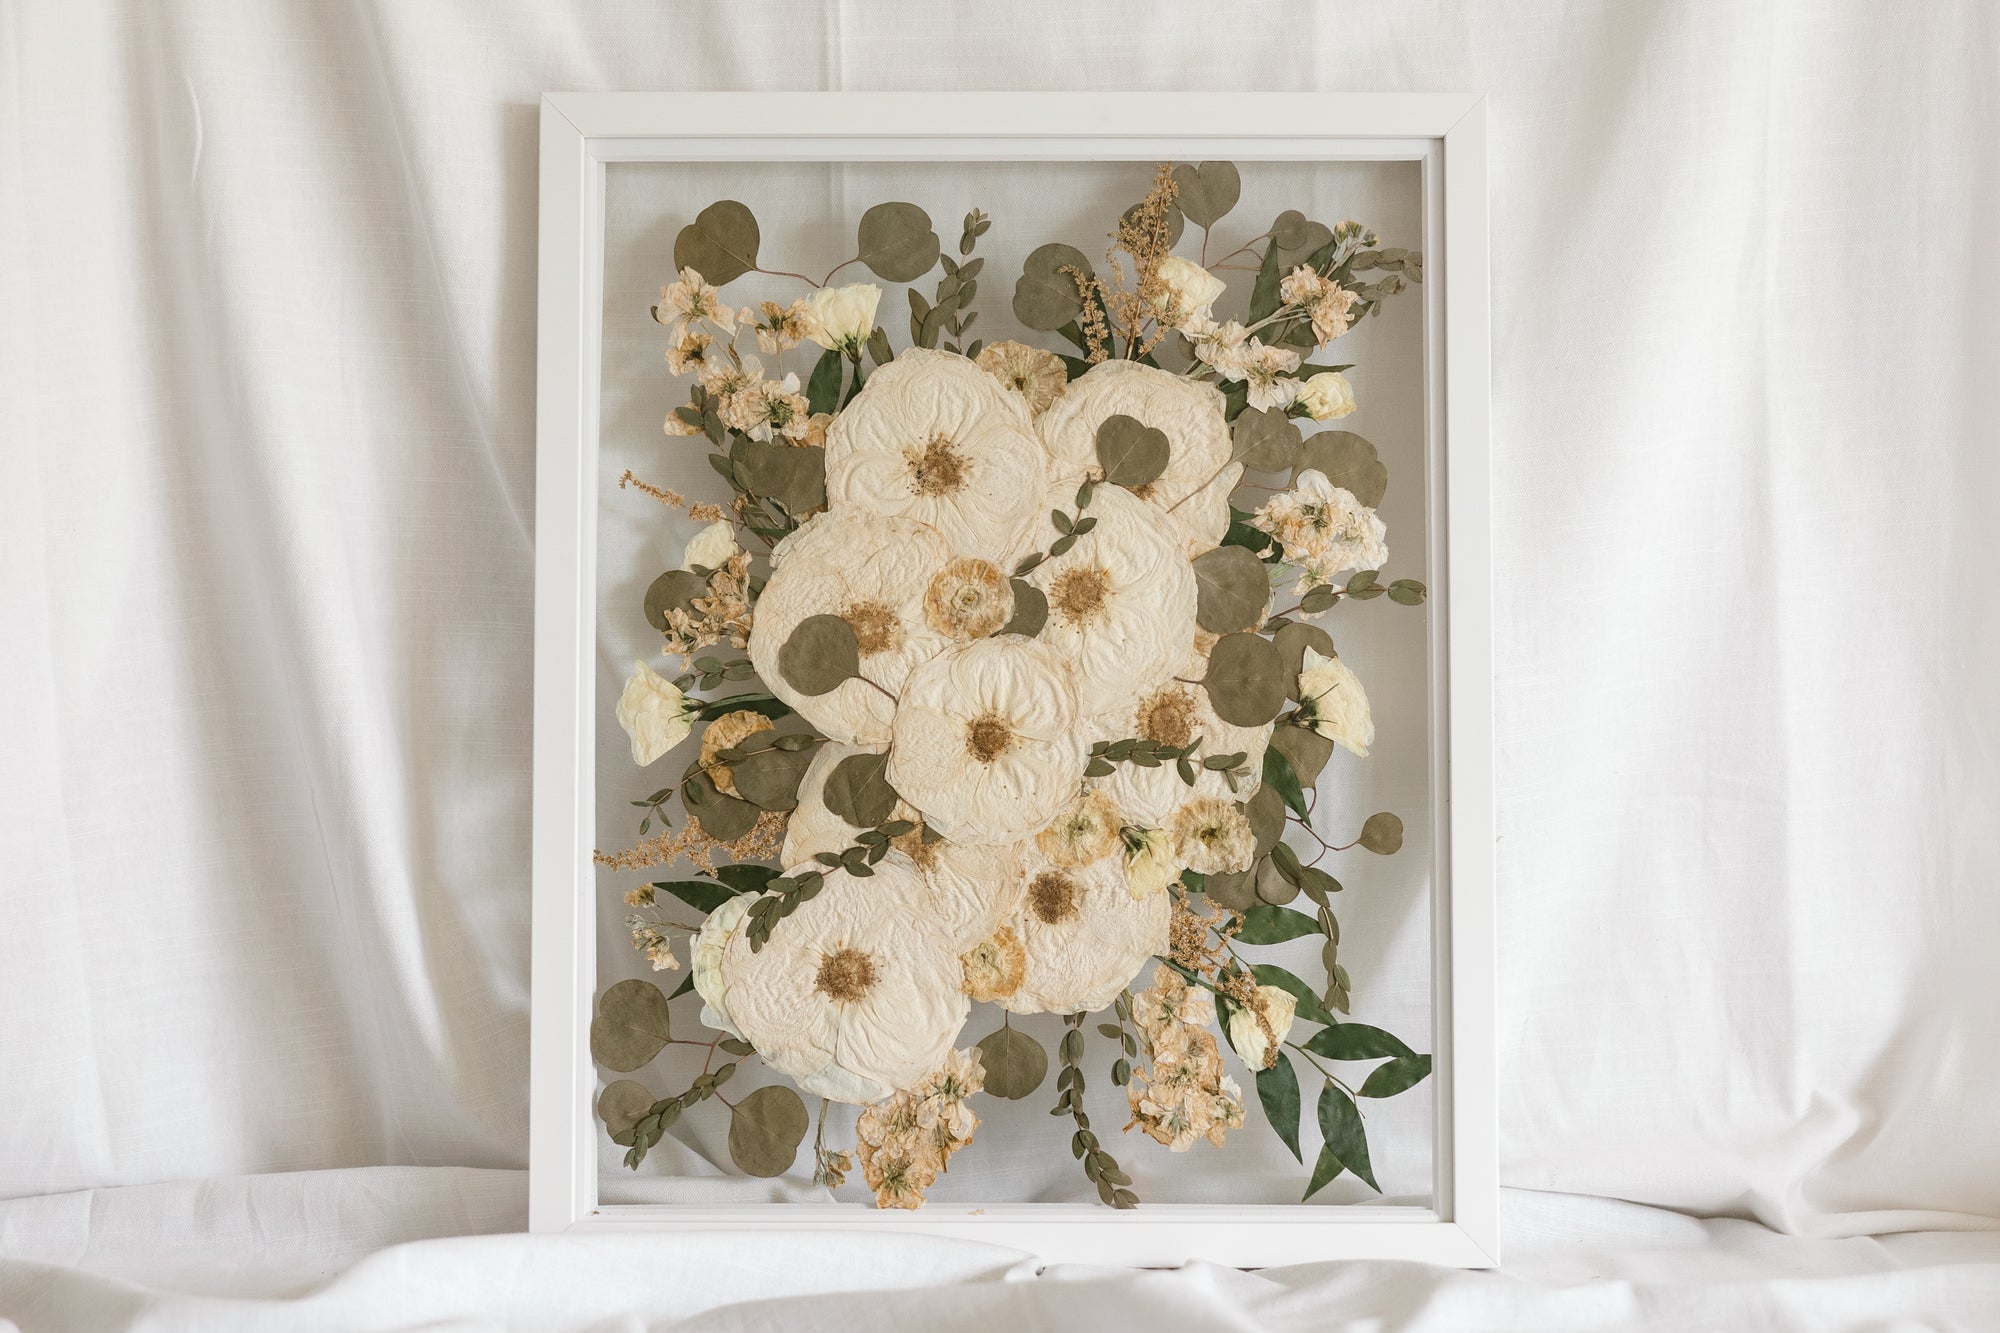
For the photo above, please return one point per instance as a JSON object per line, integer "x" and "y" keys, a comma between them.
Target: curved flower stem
{"x": 1331, "y": 1077}
{"x": 835, "y": 269}
{"x": 865, "y": 681}
{"x": 782, "y": 273}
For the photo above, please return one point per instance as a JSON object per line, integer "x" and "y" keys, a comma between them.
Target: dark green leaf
{"x": 769, "y": 778}
{"x": 1131, "y": 452}
{"x": 820, "y": 655}
{"x": 1278, "y": 1090}
{"x": 1278, "y": 775}
{"x": 1207, "y": 192}
{"x": 720, "y": 244}
{"x": 1232, "y": 588}
{"x": 700, "y": 894}
{"x": 1382, "y": 834}
{"x": 768, "y": 704}
{"x": 1358, "y": 1041}
{"x": 1031, "y": 610}
{"x": 1310, "y": 1009}
{"x": 726, "y": 818}
{"x": 1397, "y": 1076}
{"x": 1340, "y": 1126}
{"x": 795, "y": 477}
{"x": 823, "y": 389}
{"x": 765, "y": 1130}
{"x": 1274, "y": 925}
{"x": 1015, "y": 1063}
{"x": 1325, "y": 1169}
{"x": 1246, "y": 680}
{"x": 858, "y": 790}
{"x": 1045, "y": 297}
{"x": 630, "y": 1026}
{"x": 896, "y": 242}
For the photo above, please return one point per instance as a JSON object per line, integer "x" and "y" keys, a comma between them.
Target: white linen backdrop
{"x": 266, "y": 479}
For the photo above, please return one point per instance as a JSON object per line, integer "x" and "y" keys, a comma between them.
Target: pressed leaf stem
{"x": 1331, "y": 1077}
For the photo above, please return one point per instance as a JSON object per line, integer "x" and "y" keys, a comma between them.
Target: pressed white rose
{"x": 655, "y": 714}
{"x": 1327, "y": 396}
{"x": 1085, "y": 831}
{"x": 1149, "y": 861}
{"x": 935, "y": 438}
{"x": 985, "y": 741}
{"x": 856, "y": 994}
{"x": 1259, "y": 1047}
{"x": 971, "y": 889}
{"x": 1332, "y": 702}
{"x": 1121, "y": 601}
{"x": 1191, "y": 290}
{"x": 1194, "y": 490}
{"x": 711, "y": 547}
{"x": 1173, "y": 713}
{"x": 705, "y": 961}
{"x": 1084, "y": 934}
{"x": 841, "y": 318}
{"x": 873, "y": 571}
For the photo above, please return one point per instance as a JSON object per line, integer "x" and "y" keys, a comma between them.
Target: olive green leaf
{"x": 1294, "y": 237}
{"x": 1246, "y": 680}
{"x": 1304, "y": 749}
{"x": 765, "y": 1130}
{"x": 1266, "y": 812}
{"x": 823, "y": 389}
{"x": 1131, "y": 452}
{"x": 896, "y": 242}
{"x": 621, "y": 1106}
{"x": 674, "y": 590}
{"x": 1031, "y": 610}
{"x": 1274, "y": 925}
{"x": 746, "y": 877}
{"x": 1046, "y": 298}
{"x": 720, "y": 244}
{"x": 1263, "y": 440}
{"x": 769, "y": 778}
{"x": 1325, "y": 1169}
{"x": 794, "y": 477}
{"x": 1278, "y": 776}
{"x": 1292, "y": 640}
{"x": 1349, "y": 462}
{"x": 723, "y": 817}
{"x": 1407, "y": 592}
{"x": 699, "y": 894}
{"x": 1231, "y": 588}
{"x": 1237, "y": 892}
{"x": 1382, "y": 834}
{"x": 1273, "y": 885}
{"x": 820, "y": 655}
{"x": 858, "y": 790}
{"x": 1208, "y": 191}
{"x": 1358, "y": 1041}
{"x": 1310, "y": 1009}
{"x": 1397, "y": 1076}
{"x": 1278, "y": 1090}
{"x": 756, "y": 702}
{"x": 1340, "y": 1126}
{"x": 630, "y": 1026}
{"x": 1015, "y": 1063}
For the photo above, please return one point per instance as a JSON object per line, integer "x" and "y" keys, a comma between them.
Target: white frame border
{"x": 580, "y": 133}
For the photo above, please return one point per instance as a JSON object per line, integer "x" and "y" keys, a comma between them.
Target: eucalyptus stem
{"x": 1098, "y": 1165}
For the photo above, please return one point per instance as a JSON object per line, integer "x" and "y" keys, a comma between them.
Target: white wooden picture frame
{"x": 1445, "y": 133}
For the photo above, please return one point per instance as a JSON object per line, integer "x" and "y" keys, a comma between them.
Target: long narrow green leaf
{"x": 1397, "y": 1076}
{"x": 1357, "y": 1041}
{"x": 1278, "y": 1090}
{"x": 1278, "y": 773}
{"x": 823, "y": 389}
{"x": 1340, "y": 1126}
{"x": 700, "y": 894}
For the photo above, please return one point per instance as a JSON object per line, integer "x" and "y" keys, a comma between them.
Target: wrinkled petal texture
{"x": 991, "y": 505}
{"x": 1082, "y": 961}
{"x": 1148, "y": 797}
{"x": 1197, "y": 434}
{"x": 1020, "y": 685}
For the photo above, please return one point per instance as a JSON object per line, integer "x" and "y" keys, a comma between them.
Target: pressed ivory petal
{"x": 1084, "y": 934}
{"x": 1148, "y": 797}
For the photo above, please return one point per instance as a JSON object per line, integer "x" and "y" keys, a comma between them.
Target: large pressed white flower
{"x": 873, "y": 572}
{"x": 935, "y": 438}
{"x": 856, "y": 995}
{"x": 654, "y": 713}
{"x": 1190, "y": 414}
{"x": 1332, "y": 702}
{"x": 1174, "y": 713}
{"x": 1190, "y": 290}
{"x": 971, "y": 889}
{"x": 1084, "y": 934}
{"x": 986, "y": 742}
{"x": 1121, "y": 601}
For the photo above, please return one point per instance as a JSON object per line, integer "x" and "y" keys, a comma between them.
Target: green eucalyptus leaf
{"x": 1237, "y": 892}
{"x": 1397, "y": 1076}
{"x": 700, "y": 894}
{"x": 621, "y": 1106}
{"x": 720, "y": 244}
{"x": 765, "y": 1130}
{"x": 1406, "y": 592}
{"x": 1265, "y": 440}
{"x": 1245, "y": 680}
{"x": 1031, "y": 609}
{"x": 1046, "y": 298}
{"x": 1278, "y": 776}
{"x": 769, "y": 778}
{"x": 1278, "y": 1090}
{"x": 1273, "y": 885}
{"x": 1015, "y": 1063}
{"x": 1131, "y": 452}
{"x": 674, "y": 590}
{"x": 1358, "y": 1041}
{"x": 1292, "y": 640}
{"x": 1349, "y": 462}
{"x": 726, "y": 818}
{"x": 820, "y": 655}
{"x": 1382, "y": 834}
{"x": 1295, "y": 238}
{"x": 793, "y": 476}
{"x": 1266, "y": 812}
{"x": 1304, "y": 749}
{"x": 1267, "y": 924}
{"x": 1232, "y": 588}
{"x": 1207, "y": 192}
{"x": 896, "y": 242}
{"x": 630, "y": 1027}
{"x": 858, "y": 790}
{"x": 1340, "y": 1126}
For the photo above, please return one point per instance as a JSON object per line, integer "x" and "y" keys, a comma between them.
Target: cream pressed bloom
{"x": 1267, "y": 371}
{"x": 1121, "y": 601}
{"x": 1171, "y": 1003}
{"x": 970, "y": 889}
{"x": 1037, "y": 375}
{"x": 726, "y": 731}
{"x": 774, "y": 406}
{"x": 1332, "y": 703}
{"x": 872, "y": 571}
{"x": 1174, "y": 713}
{"x": 691, "y": 300}
{"x": 782, "y": 327}
{"x": 1194, "y": 490}
{"x": 985, "y": 741}
{"x": 688, "y": 351}
{"x": 1218, "y": 346}
{"x": 1213, "y": 837}
{"x": 994, "y": 967}
{"x": 1190, "y": 290}
{"x": 712, "y": 547}
{"x": 934, "y": 438}
{"x": 969, "y": 599}
{"x": 1149, "y": 861}
{"x": 1323, "y": 528}
{"x": 1257, "y": 1032}
{"x": 857, "y": 993}
{"x": 705, "y": 961}
{"x": 1087, "y": 831}
{"x": 1329, "y": 305}
{"x": 841, "y": 318}
{"x": 1083, "y": 933}
{"x": 1327, "y": 396}
{"x": 654, "y": 713}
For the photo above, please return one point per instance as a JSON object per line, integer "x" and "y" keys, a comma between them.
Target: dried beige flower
{"x": 1087, "y": 831}
{"x": 969, "y": 599}
{"x": 1037, "y": 375}
{"x": 1213, "y": 836}
{"x": 994, "y": 967}
{"x": 726, "y": 731}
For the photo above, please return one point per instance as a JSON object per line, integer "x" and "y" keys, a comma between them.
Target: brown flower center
{"x": 988, "y": 736}
{"x": 1052, "y": 896}
{"x": 1079, "y": 593}
{"x": 876, "y": 628}
{"x": 845, "y": 975}
{"x": 968, "y": 599}
{"x": 1168, "y": 716}
{"x": 939, "y": 469}
{"x": 914, "y": 846}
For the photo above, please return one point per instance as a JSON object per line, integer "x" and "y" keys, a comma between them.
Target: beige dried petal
{"x": 1212, "y": 836}
{"x": 1083, "y": 933}
{"x": 728, "y": 730}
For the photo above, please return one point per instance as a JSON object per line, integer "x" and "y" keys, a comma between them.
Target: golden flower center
{"x": 988, "y": 736}
{"x": 876, "y": 627}
{"x": 939, "y": 470}
{"x": 914, "y": 846}
{"x": 1080, "y": 592}
{"x": 1052, "y": 897}
{"x": 968, "y": 599}
{"x": 1168, "y": 716}
{"x": 845, "y": 975}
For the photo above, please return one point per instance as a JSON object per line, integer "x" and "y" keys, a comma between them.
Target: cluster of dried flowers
{"x": 1022, "y": 725}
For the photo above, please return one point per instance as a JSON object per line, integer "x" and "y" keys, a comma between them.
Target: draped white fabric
{"x": 266, "y": 491}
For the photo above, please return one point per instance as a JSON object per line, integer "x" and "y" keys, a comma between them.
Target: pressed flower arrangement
{"x": 1003, "y": 668}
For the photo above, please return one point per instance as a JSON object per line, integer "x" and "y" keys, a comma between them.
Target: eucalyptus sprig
{"x": 661, "y": 1117}
{"x": 1068, "y": 528}
{"x": 794, "y": 891}
{"x": 1101, "y": 1168}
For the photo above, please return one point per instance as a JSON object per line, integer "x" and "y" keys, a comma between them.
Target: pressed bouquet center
{"x": 1053, "y": 896}
{"x": 1168, "y": 717}
{"x": 1080, "y": 593}
{"x": 939, "y": 469}
{"x": 968, "y": 599}
{"x": 845, "y": 975}
{"x": 988, "y": 736}
{"x": 876, "y": 628}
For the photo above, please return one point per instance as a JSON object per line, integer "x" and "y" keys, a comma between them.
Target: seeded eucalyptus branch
{"x": 1101, "y": 1168}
